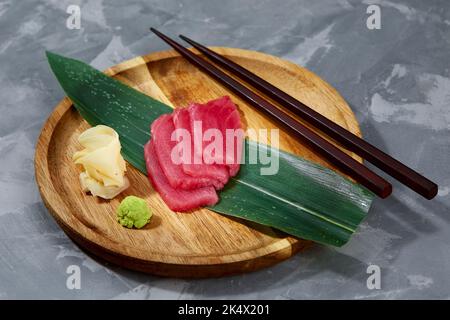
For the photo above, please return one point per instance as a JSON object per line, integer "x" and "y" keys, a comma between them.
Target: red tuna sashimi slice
{"x": 219, "y": 114}
{"x": 181, "y": 120}
{"x": 234, "y": 156}
{"x": 176, "y": 199}
{"x": 162, "y": 129}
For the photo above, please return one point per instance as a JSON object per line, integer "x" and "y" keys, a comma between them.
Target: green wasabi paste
{"x": 133, "y": 212}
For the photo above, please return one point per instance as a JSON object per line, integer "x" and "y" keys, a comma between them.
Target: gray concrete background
{"x": 396, "y": 79}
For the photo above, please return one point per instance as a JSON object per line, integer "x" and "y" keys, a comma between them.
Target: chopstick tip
{"x": 190, "y": 41}
{"x": 160, "y": 34}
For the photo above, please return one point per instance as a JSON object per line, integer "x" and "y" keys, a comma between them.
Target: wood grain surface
{"x": 186, "y": 245}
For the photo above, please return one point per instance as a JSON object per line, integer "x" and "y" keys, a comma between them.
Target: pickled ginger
{"x": 103, "y": 166}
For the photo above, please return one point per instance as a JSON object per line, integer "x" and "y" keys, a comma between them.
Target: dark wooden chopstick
{"x": 334, "y": 155}
{"x": 350, "y": 141}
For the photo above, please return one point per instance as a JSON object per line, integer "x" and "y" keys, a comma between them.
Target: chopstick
{"x": 334, "y": 155}
{"x": 350, "y": 141}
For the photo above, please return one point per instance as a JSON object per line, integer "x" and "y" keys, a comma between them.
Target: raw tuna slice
{"x": 219, "y": 173}
{"x": 176, "y": 199}
{"x": 219, "y": 114}
{"x": 162, "y": 129}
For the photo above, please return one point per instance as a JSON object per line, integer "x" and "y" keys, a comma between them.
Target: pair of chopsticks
{"x": 334, "y": 155}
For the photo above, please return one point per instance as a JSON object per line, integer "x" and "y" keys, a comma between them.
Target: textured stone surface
{"x": 396, "y": 79}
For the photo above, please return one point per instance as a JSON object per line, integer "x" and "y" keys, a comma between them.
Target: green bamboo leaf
{"x": 303, "y": 199}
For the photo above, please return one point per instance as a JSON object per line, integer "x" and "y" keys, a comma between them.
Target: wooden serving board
{"x": 198, "y": 244}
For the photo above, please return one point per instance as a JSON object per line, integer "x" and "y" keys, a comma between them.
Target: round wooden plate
{"x": 198, "y": 244}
